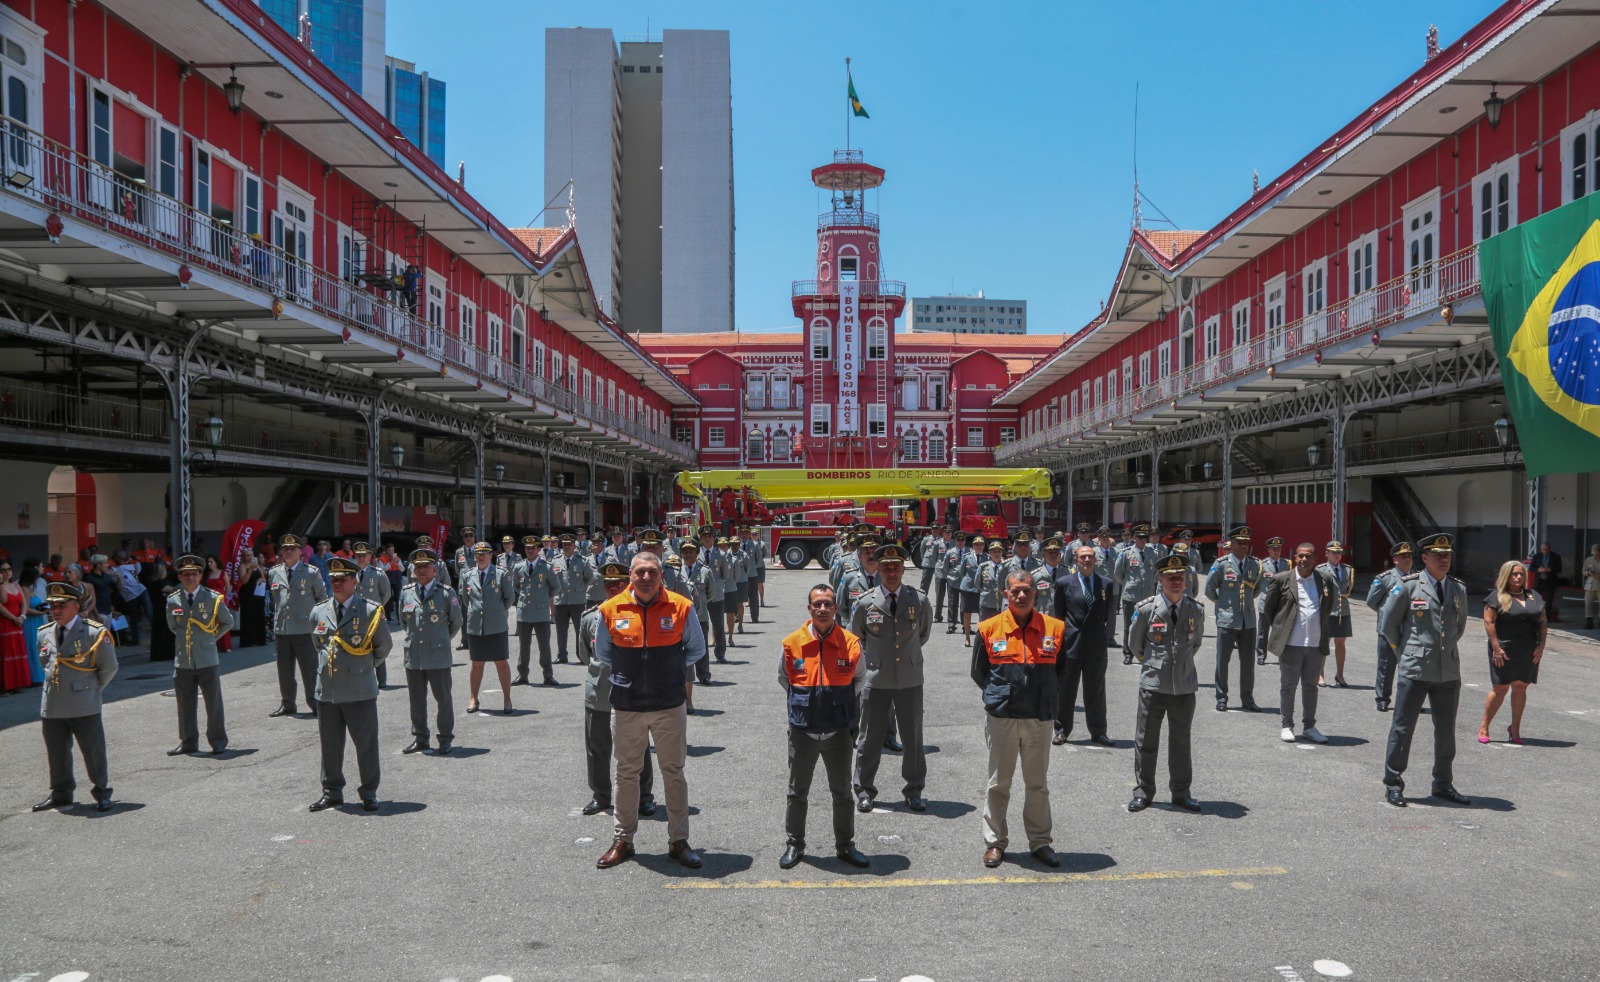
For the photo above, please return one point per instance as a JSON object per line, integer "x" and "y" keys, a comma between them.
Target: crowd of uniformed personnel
{"x": 649, "y": 616}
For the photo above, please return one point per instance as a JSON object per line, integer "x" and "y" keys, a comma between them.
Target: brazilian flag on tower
{"x": 855, "y": 102}
{"x": 1541, "y": 283}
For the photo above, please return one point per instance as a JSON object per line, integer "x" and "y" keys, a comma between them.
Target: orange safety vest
{"x": 1017, "y": 667}
{"x": 647, "y": 668}
{"x": 821, "y": 674}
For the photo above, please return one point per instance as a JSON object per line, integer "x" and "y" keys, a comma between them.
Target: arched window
{"x": 821, "y": 340}
{"x": 780, "y": 445}
{"x": 877, "y": 339}
{"x": 936, "y": 444}
{"x": 519, "y": 336}
{"x": 756, "y": 445}
{"x": 911, "y": 447}
{"x": 849, "y": 264}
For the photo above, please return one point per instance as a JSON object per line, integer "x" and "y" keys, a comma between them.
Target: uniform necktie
{"x": 191, "y": 600}
{"x": 894, "y": 603}
{"x": 61, "y": 637}
{"x": 338, "y": 612}
{"x": 483, "y": 580}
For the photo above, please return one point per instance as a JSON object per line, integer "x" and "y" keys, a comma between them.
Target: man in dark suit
{"x": 1083, "y": 602}
{"x": 1546, "y": 569}
{"x": 1297, "y": 607}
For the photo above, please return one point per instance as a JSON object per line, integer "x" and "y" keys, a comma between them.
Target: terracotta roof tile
{"x": 537, "y": 238}
{"x": 1171, "y": 242}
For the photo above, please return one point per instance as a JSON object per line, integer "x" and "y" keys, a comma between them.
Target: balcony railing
{"x": 1444, "y": 280}
{"x": 847, "y": 218}
{"x": 869, "y": 288}
{"x": 69, "y": 182}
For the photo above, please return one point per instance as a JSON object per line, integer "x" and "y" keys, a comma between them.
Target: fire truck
{"x": 803, "y": 509}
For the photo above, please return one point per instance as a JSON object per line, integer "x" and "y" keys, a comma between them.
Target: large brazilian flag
{"x": 1541, "y": 282}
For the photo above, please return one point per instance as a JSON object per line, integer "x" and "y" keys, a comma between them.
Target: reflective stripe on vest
{"x": 647, "y": 669}
{"x": 821, "y": 676}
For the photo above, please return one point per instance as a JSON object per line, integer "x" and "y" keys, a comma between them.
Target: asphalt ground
{"x": 480, "y": 866}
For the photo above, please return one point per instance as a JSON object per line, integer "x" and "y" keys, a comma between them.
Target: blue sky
{"x": 1006, "y": 129}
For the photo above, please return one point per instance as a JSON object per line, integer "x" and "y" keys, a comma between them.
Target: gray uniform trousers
{"x": 1127, "y": 620}
{"x": 1114, "y": 594}
{"x": 1228, "y": 640}
{"x": 1383, "y": 685}
{"x": 876, "y": 706}
{"x": 526, "y": 631}
{"x": 566, "y": 614}
{"x": 418, "y": 681}
{"x": 597, "y": 748}
{"x": 297, "y": 650}
{"x": 91, "y": 736}
{"x": 702, "y": 668}
{"x": 1179, "y": 712}
{"x": 189, "y": 685}
{"x": 834, "y": 749}
{"x": 719, "y": 638}
{"x": 360, "y": 719}
{"x": 938, "y": 604}
{"x": 1444, "y": 698}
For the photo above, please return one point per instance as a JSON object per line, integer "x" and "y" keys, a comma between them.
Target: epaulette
{"x": 1411, "y": 577}
{"x": 94, "y": 624}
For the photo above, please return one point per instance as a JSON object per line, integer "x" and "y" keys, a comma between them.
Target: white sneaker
{"x": 1287, "y": 735}
{"x": 1315, "y": 735}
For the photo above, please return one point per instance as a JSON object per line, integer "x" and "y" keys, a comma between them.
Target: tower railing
{"x": 869, "y": 288}
{"x": 847, "y": 217}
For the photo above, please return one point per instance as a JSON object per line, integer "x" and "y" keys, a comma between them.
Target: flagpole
{"x": 849, "y": 110}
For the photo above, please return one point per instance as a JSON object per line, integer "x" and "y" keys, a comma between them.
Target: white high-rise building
{"x": 967, "y": 314}
{"x": 644, "y": 134}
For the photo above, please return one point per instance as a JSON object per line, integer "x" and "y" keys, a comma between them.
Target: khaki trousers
{"x": 631, "y": 733}
{"x": 1009, "y": 739}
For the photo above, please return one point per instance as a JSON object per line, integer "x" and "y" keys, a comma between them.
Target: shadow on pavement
{"x": 1221, "y": 809}
{"x": 463, "y": 752}
{"x": 384, "y": 808}
{"x": 1346, "y": 741}
{"x": 715, "y": 865}
{"x": 232, "y": 754}
{"x": 883, "y": 864}
{"x": 82, "y": 810}
{"x": 1547, "y": 744}
{"x": 1074, "y": 862}
{"x": 705, "y": 751}
{"x": 943, "y": 809}
{"x": 708, "y": 712}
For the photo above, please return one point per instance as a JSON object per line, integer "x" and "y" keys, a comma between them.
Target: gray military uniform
{"x": 597, "y": 716}
{"x": 1164, "y": 638}
{"x": 1134, "y": 572}
{"x": 534, "y": 581}
{"x": 348, "y": 650}
{"x": 294, "y": 595}
{"x": 573, "y": 576}
{"x": 1425, "y": 629}
{"x": 431, "y": 619}
{"x": 717, "y": 567}
{"x": 889, "y": 677}
{"x": 1232, "y": 587}
{"x": 196, "y": 624}
{"x": 1377, "y": 593}
{"x": 372, "y": 583}
{"x": 77, "y": 668}
{"x": 488, "y": 598}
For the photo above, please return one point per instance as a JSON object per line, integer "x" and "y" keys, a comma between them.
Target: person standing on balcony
{"x": 1232, "y": 587}
{"x": 408, "y": 287}
{"x": 296, "y": 590}
{"x": 1382, "y": 585}
{"x": 1546, "y": 569}
{"x": 1135, "y": 570}
{"x": 1339, "y": 627}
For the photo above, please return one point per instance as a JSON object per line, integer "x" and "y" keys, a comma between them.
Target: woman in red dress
{"x": 217, "y": 582}
{"x": 13, "y": 649}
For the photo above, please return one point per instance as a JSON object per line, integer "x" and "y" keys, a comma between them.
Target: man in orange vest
{"x": 648, "y": 639}
{"x": 819, "y": 673}
{"x": 1014, "y": 663}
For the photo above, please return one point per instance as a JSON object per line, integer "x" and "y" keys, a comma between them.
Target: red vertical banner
{"x": 240, "y": 537}
{"x": 441, "y": 534}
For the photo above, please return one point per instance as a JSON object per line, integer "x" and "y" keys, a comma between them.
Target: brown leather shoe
{"x": 620, "y": 852}
{"x": 684, "y": 854}
{"x": 993, "y": 856}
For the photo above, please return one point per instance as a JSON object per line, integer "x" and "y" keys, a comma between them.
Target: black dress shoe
{"x": 1103, "y": 740}
{"x": 1451, "y": 794}
{"x": 180, "y": 750}
{"x": 328, "y": 800}
{"x": 595, "y": 806}
{"x": 1250, "y": 707}
{"x": 1046, "y": 855}
{"x": 50, "y": 803}
{"x": 1383, "y": 705}
{"x": 850, "y": 854}
{"x": 1261, "y": 659}
{"x": 1222, "y": 705}
{"x": 415, "y": 746}
{"x": 916, "y": 804}
{"x": 647, "y": 807}
{"x": 369, "y": 804}
{"x": 1059, "y": 738}
{"x": 1127, "y": 659}
{"x": 1186, "y": 804}
{"x": 893, "y": 746}
{"x": 444, "y": 748}
{"x": 562, "y": 660}
{"x": 218, "y": 751}
{"x": 549, "y": 680}
{"x": 1395, "y": 797}
{"x": 103, "y": 805}
{"x": 520, "y": 680}
{"x": 282, "y": 711}
{"x": 950, "y": 630}
{"x": 1139, "y": 803}
{"x": 863, "y": 803}
{"x": 791, "y": 857}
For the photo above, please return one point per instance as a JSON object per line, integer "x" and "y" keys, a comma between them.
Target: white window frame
{"x": 1422, "y": 247}
{"x": 1099, "y": 392}
{"x": 24, "y": 153}
{"x": 877, "y": 340}
{"x": 1186, "y": 332}
{"x": 910, "y": 446}
{"x": 537, "y": 361}
{"x": 557, "y": 367}
{"x": 936, "y": 393}
{"x": 1144, "y": 369}
{"x": 1362, "y": 262}
{"x": 1127, "y": 376}
{"x": 572, "y": 374}
{"x": 975, "y": 439}
{"x": 1073, "y": 412}
{"x": 779, "y": 392}
{"x": 716, "y": 437}
{"x": 821, "y": 340}
{"x": 1501, "y": 183}
{"x": 1008, "y": 434}
{"x": 1274, "y": 311}
{"x": 467, "y": 323}
{"x": 1314, "y": 299}
{"x": 755, "y": 445}
{"x": 756, "y": 391}
{"x": 251, "y": 217}
{"x": 683, "y": 433}
{"x": 782, "y": 446}
{"x": 936, "y": 444}
{"x": 519, "y": 337}
{"x": 1212, "y": 330}
{"x": 821, "y": 419}
{"x": 1164, "y": 361}
{"x": 877, "y": 419}
{"x": 1589, "y": 128}
{"x": 1111, "y": 385}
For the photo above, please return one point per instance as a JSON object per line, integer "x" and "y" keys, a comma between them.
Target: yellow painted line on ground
{"x": 887, "y": 883}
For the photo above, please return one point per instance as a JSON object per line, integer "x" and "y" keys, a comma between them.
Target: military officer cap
{"x": 1104, "y": 530}
{"x": 1084, "y": 527}
{"x": 613, "y": 572}
{"x": 467, "y": 530}
{"x": 1173, "y": 563}
{"x": 1142, "y": 531}
{"x": 725, "y": 541}
{"x": 996, "y": 545}
{"x": 890, "y": 552}
{"x": 1181, "y": 548}
{"x": 1240, "y": 533}
{"x": 482, "y": 547}
{"x": 340, "y": 566}
{"x": 64, "y": 593}
{"x": 551, "y": 537}
{"x": 649, "y": 537}
{"x": 616, "y": 530}
{"x": 706, "y": 530}
{"x": 567, "y": 539}
{"x": 361, "y": 549}
{"x": 190, "y": 563}
{"x": 507, "y": 538}
{"x": 1054, "y": 542}
{"x": 690, "y": 545}
{"x": 424, "y": 540}
{"x": 1023, "y": 537}
{"x": 1401, "y": 549}
{"x": 1276, "y": 542}
{"x": 867, "y": 542}
{"x": 1438, "y": 542}
{"x": 977, "y": 540}
{"x": 864, "y": 527}
{"x": 290, "y": 541}
{"x": 1335, "y": 546}
{"x": 531, "y": 540}
{"x": 674, "y": 561}
{"x": 423, "y": 557}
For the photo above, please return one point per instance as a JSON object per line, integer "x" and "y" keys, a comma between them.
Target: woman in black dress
{"x": 1514, "y": 618}
{"x": 252, "y": 603}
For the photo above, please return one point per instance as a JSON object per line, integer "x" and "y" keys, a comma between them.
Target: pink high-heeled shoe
{"x": 1483, "y": 738}
{"x": 1516, "y": 737}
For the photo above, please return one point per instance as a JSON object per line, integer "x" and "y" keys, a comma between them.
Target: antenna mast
{"x": 1138, "y": 212}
